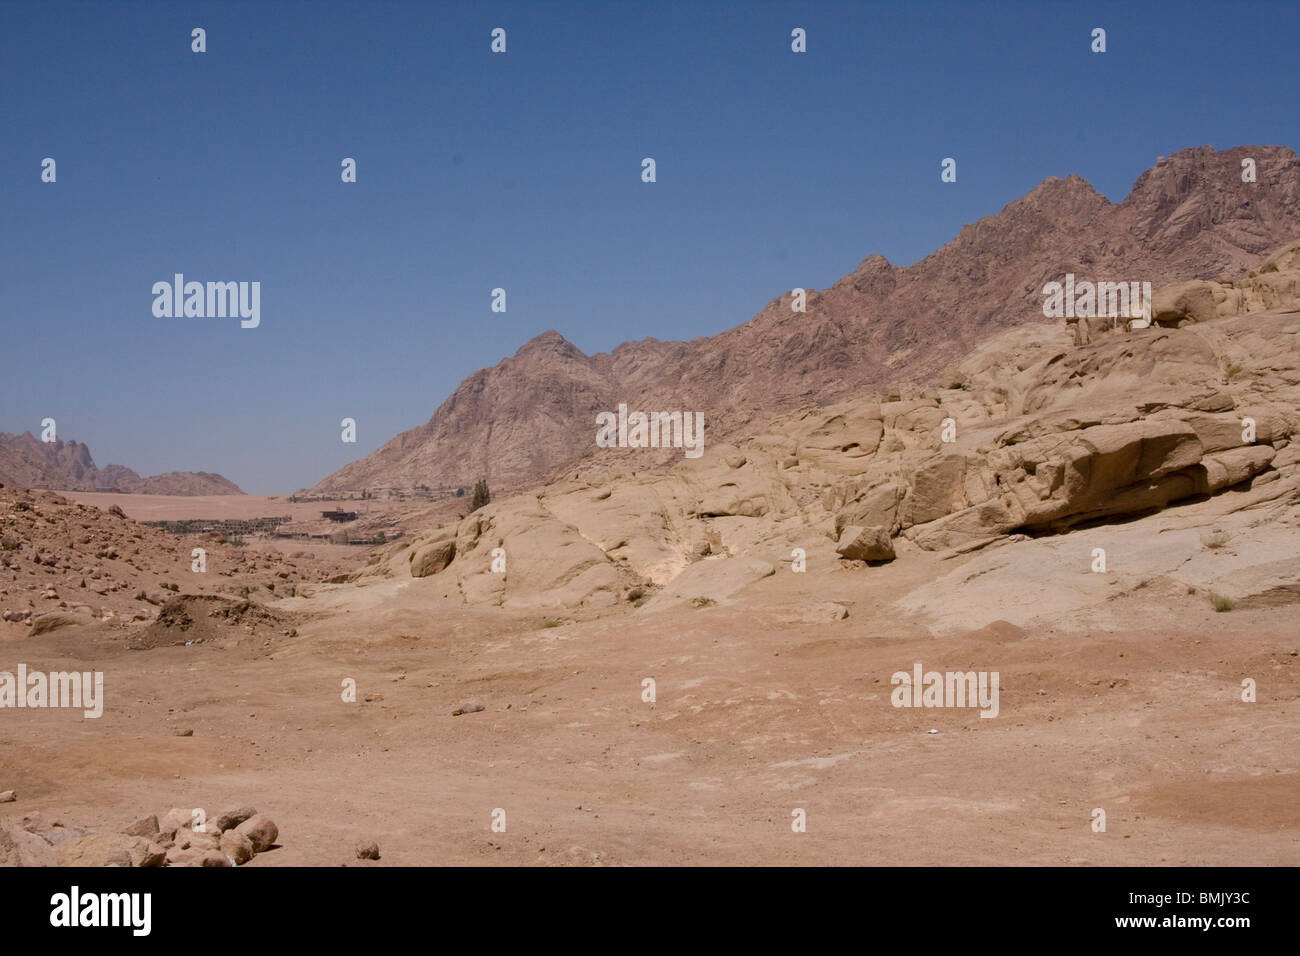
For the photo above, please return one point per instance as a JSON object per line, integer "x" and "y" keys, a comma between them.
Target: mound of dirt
{"x": 203, "y": 618}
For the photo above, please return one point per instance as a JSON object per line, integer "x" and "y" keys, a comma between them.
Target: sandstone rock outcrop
{"x": 1040, "y": 436}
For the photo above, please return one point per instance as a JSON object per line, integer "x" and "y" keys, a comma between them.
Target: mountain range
{"x": 60, "y": 465}
{"x": 1190, "y": 216}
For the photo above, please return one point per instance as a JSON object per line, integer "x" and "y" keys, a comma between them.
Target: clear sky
{"x": 523, "y": 171}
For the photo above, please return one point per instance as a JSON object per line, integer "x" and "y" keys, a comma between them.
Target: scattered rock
{"x": 8, "y": 796}
{"x": 145, "y": 827}
{"x": 468, "y": 707}
{"x": 176, "y": 856}
{"x": 57, "y": 834}
{"x": 44, "y": 623}
{"x": 230, "y": 819}
{"x": 261, "y": 831}
{"x": 174, "y": 820}
{"x": 367, "y": 850}
{"x": 20, "y": 847}
{"x": 194, "y": 840}
{"x": 237, "y": 846}
{"x": 109, "y": 849}
{"x": 152, "y": 856}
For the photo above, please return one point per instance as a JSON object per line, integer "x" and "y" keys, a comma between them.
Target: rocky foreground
{"x": 180, "y": 838}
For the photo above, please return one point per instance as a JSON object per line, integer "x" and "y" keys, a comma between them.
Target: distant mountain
{"x": 1188, "y": 217}
{"x": 28, "y": 462}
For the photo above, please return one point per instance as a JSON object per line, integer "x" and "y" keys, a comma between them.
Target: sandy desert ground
{"x": 758, "y": 713}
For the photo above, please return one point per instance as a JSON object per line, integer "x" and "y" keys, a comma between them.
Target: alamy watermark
{"x": 215, "y": 300}
{"x": 951, "y": 689}
{"x": 84, "y": 691}
{"x": 1129, "y": 300}
{"x": 75, "y": 908}
{"x": 626, "y": 429}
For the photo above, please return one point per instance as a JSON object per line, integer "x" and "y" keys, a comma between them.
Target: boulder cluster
{"x": 178, "y": 838}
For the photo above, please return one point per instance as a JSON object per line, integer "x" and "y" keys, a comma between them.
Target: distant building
{"x": 339, "y": 515}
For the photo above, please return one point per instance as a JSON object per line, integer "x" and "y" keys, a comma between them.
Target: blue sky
{"x": 522, "y": 171}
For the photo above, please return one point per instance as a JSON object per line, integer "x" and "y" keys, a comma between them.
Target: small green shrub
{"x": 1222, "y": 602}
{"x": 1215, "y": 539}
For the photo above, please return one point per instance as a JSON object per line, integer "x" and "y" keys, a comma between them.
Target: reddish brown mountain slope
{"x": 28, "y": 462}
{"x": 1190, "y": 216}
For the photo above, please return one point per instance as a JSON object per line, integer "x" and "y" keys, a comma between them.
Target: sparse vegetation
{"x": 635, "y": 594}
{"x": 481, "y": 496}
{"x": 703, "y": 602}
{"x": 1215, "y": 539}
{"x": 1222, "y": 602}
{"x": 549, "y": 622}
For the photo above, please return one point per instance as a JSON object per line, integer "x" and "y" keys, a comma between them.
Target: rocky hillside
{"x": 1040, "y": 434}
{"x": 64, "y": 564}
{"x": 1189, "y": 217}
{"x": 28, "y": 462}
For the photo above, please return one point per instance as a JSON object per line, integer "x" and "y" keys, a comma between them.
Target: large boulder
{"x": 232, "y": 818}
{"x": 146, "y": 827}
{"x": 261, "y": 832}
{"x": 1184, "y": 302}
{"x": 865, "y": 544}
{"x": 432, "y": 558}
{"x": 111, "y": 849}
